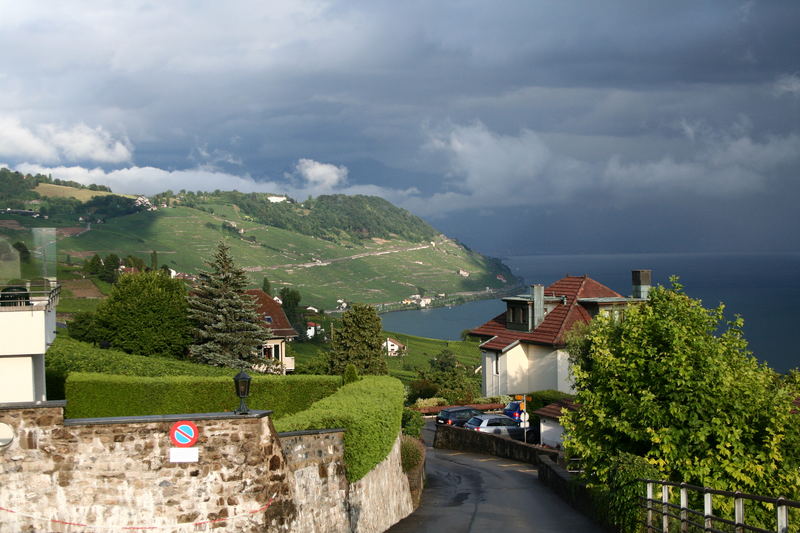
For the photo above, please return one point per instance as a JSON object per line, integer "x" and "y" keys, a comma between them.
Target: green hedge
{"x": 369, "y": 410}
{"x": 92, "y": 395}
{"x": 69, "y": 355}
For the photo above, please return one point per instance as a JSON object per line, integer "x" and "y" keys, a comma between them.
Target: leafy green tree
{"x": 83, "y": 327}
{"x": 227, "y": 327}
{"x": 93, "y": 265}
{"x": 108, "y": 271}
{"x": 290, "y": 299}
{"x": 670, "y": 384}
{"x": 447, "y": 378}
{"x": 145, "y": 314}
{"x": 358, "y": 342}
{"x": 266, "y": 286}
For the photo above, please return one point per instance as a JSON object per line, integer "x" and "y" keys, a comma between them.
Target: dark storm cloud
{"x": 460, "y": 111}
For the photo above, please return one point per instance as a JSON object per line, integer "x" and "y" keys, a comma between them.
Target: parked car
{"x": 496, "y": 425}
{"x": 456, "y": 416}
{"x": 514, "y": 410}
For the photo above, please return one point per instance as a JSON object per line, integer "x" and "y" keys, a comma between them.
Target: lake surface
{"x": 763, "y": 288}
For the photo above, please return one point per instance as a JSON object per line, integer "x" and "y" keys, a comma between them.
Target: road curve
{"x": 473, "y": 493}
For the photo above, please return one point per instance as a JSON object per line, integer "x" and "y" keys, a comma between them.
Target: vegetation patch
{"x": 93, "y": 395}
{"x": 370, "y": 411}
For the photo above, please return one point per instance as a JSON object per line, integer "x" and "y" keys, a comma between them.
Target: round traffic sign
{"x": 524, "y": 416}
{"x": 183, "y": 434}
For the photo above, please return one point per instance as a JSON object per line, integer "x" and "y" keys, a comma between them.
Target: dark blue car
{"x": 513, "y": 410}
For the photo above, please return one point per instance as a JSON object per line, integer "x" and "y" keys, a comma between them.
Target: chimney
{"x": 641, "y": 283}
{"x": 536, "y": 310}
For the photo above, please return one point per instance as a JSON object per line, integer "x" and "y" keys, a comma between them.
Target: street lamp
{"x": 242, "y": 383}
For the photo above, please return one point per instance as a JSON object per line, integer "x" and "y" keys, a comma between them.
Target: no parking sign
{"x": 183, "y": 435}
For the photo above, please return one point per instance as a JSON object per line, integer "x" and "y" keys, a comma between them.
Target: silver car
{"x": 496, "y": 425}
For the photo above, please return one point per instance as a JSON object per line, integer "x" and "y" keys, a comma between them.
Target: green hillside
{"x": 330, "y": 248}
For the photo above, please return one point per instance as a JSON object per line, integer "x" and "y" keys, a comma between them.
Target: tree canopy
{"x": 145, "y": 314}
{"x": 227, "y": 327}
{"x": 675, "y": 384}
{"x": 358, "y": 342}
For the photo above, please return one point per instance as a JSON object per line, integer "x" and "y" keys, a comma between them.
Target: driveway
{"x": 468, "y": 492}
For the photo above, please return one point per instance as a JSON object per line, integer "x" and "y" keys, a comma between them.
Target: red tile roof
{"x": 267, "y": 307}
{"x": 556, "y": 323}
{"x": 556, "y": 409}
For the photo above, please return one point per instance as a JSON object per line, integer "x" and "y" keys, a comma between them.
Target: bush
{"x": 411, "y": 452}
{"x": 93, "y": 395}
{"x": 370, "y": 410}
{"x": 422, "y": 388}
{"x": 624, "y": 491}
{"x": 504, "y": 399}
{"x": 429, "y": 402}
{"x": 350, "y": 374}
{"x": 412, "y": 423}
{"x": 69, "y": 355}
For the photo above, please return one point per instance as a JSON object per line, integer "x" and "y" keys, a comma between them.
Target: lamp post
{"x": 242, "y": 383}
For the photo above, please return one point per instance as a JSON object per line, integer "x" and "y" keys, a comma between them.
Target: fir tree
{"x": 227, "y": 329}
{"x": 358, "y": 342}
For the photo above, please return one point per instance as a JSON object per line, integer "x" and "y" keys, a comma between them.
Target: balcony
{"x": 27, "y": 319}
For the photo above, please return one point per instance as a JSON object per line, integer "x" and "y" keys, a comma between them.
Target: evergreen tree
{"x": 358, "y": 342}
{"x": 227, "y": 327}
{"x": 154, "y": 260}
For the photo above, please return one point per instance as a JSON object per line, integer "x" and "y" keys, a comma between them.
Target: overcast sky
{"x": 515, "y": 127}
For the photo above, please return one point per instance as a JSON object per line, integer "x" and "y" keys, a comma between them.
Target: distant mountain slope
{"x": 331, "y": 248}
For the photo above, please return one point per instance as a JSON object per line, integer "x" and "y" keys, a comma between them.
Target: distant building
{"x": 393, "y": 347}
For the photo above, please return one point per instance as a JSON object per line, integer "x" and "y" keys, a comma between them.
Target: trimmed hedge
{"x": 93, "y": 395}
{"x": 69, "y": 355}
{"x": 370, "y": 411}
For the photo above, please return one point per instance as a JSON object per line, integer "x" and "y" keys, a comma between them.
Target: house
{"x": 551, "y": 430}
{"x": 275, "y": 320}
{"x": 312, "y": 329}
{"x": 27, "y": 329}
{"x": 524, "y": 348}
{"x": 393, "y": 347}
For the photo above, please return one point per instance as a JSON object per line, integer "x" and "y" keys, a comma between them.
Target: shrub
{"x": 411, "y": 452}
{"x": 69, "y": 355}
{"x": 429, "y": 402}
{"x": 422, "y": 388}
{"x": 412, "y": 423}
{"x": 370, "y": 411}
{"x": 94, "y": 395}
{"x": 624, "y": 491}
{"x": 504, "y": 399}
{"x": 350, "y": 374}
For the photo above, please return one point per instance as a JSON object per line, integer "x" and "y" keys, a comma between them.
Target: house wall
{"x": 517, "y": 370}
{"x": 551, "y": 432}
{"x": 565, "y": 382}
{"x": 17, "y": 379}
{"x": 24, "y": 331}
{"x": 543, "y": 373}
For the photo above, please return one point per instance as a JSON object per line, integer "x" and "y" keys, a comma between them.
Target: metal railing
{"x": 29, "y": 295}
{"x": 662, "y": 513}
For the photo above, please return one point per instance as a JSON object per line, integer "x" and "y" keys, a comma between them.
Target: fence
{"x": 662, "y": 513}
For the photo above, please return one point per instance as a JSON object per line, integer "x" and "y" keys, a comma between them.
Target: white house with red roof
{"x": 524, "y": 348}
{"x": 274, "y": 319}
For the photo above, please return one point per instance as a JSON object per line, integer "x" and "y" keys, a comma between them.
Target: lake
{"x": 763, "y": 288}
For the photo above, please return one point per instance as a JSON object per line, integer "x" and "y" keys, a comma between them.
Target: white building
{"x": 27, "y": 329}
{"x": 524, "y": 348}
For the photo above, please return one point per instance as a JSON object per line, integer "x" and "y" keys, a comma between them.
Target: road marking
{"x": 488, "y": 459}
{"x": 529, "y": 470}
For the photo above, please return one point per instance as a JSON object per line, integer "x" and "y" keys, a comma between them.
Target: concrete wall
{"x": 115, "y": 473}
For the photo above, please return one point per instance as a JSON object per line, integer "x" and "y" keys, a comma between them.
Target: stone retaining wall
{"x": 455, "y": 438}
{"x": 72, "y": 475}
{"x": 116, "y": 472}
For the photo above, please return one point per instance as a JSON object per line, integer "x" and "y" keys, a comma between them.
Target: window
{"x": 495, "y": 366}
{"x": 268, "y": 319}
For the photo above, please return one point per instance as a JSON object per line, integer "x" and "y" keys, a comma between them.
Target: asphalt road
{"x": 468, "y": 492}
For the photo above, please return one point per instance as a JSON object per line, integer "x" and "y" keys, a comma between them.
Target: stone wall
{"x": 112, "y": 473}
{"x": 116, "y": 473}
{"x": 327, "y": 502}
{"x": 319, "y": 483}
{"x": 382, "y": 497}
{"x": 456, "y": 438}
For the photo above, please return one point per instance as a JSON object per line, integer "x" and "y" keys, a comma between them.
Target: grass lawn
{"x": 419, "y": 351}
